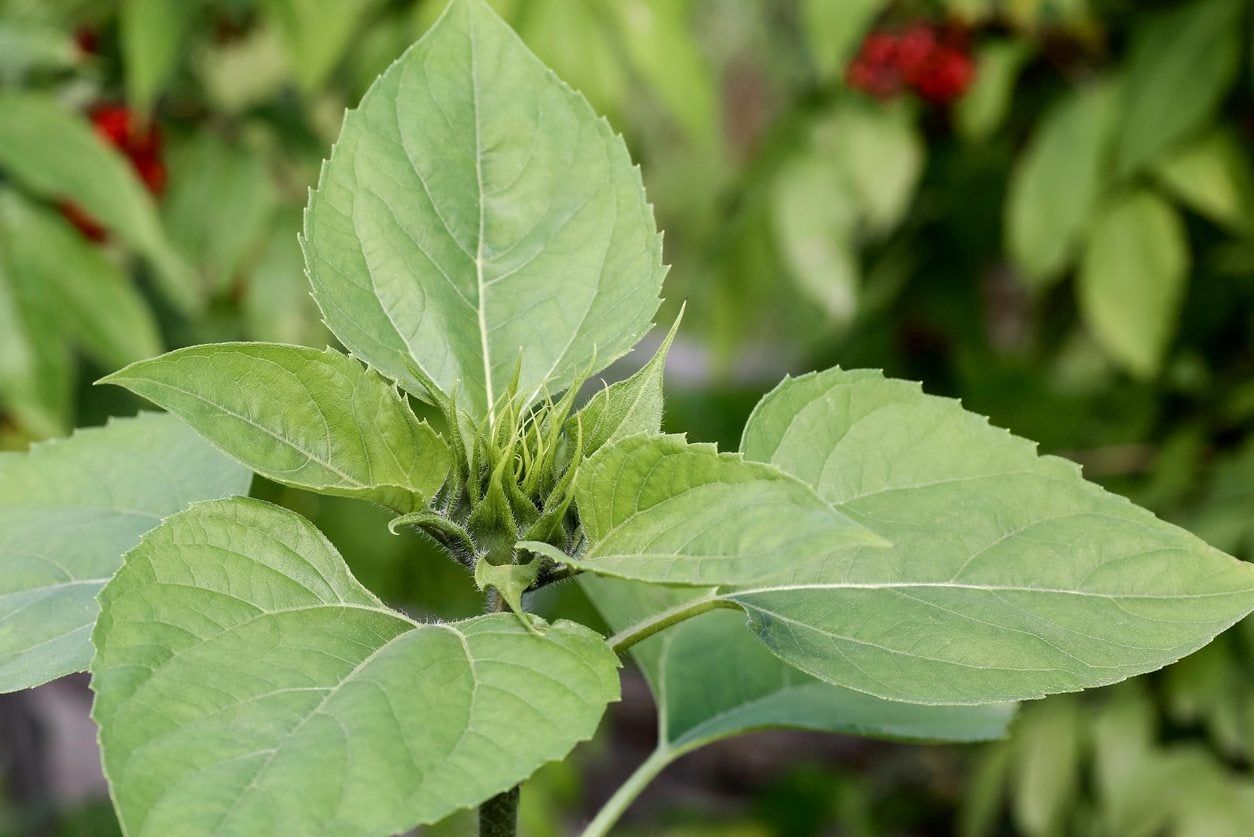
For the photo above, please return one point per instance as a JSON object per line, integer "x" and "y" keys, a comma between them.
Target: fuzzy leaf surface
{"x": 311, "y": 418}
{"x": 656, "y": 508}
{"x": 1009, "y": 578}
{"x": 246, "y": 683}
{"x": 475, "y": 211}
{"x": 69, "y": 509}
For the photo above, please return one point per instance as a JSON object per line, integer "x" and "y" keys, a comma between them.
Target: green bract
{"x": 480, "y": 240}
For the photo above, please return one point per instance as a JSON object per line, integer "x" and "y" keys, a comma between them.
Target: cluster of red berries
{"x": 933, "y": 61}
{"x": 139, "y": 141}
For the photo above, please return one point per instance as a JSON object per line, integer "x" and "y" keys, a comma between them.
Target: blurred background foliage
{"x": 1043, "y": 207}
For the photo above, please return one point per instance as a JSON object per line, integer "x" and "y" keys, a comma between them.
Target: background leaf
{"x": 55, "y": 155}
{"x": 497, "y": 218}
{"x": 296, "y": 415}
{"x": 1056, "y": 183}
{"x": 1181, "y": 64}
{"x": 371, "y": 724}
{"x": 152, "y": 33}
{"x": 1009, "y": 577}
{"x": 1132, "y": 277}
{"x": 94, "y": 301}
{"x": 1212, "y": 175}
{"x": 69, "y": 509}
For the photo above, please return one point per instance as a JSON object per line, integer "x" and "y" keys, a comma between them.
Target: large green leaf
{"x": 311, "y": 418}
{"x": 1132, "y": 279}
{"x": 69, "y": 509}
{"x": 1181, "y": 64}
{"x": 1010, "y": 577}
{"x": 246, "y": 683}
{"x": 56, "y": 155}
{"x": 656, "y": 508}
{"x": 476, "y": 214}
{"x": 1056, "y": 183}
{"x": 687, "y": 667}
{"x": 96, "y": 303}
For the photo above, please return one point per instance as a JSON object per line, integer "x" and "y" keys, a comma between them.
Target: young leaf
{"x": 55, "y": 155}
{"x": 698, "y": 704}
{"x": 1009, "y": 578}
{"x": 1182, "y": 62}
{"x": 627, "y": 407}
{"x": 95, "y": 301}
{"x": 656, "y": 508}
{"x": 247, "y": 683}
{"x": 1056, "y": 184}
{"x": 69, "y": 509}
{"x": 304, "y": 417}
{"x": 1132, "y": 279}
{"x": 475, "y": 211}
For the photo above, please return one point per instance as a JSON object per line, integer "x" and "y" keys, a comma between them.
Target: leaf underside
{"x": 247, "y": 683}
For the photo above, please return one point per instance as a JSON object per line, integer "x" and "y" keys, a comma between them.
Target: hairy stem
{"x": 627, "y": 793}
{"x": 628, "y": 637}
{"x": 498, "y": 817}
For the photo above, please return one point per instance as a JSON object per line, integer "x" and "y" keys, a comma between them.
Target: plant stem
{"x": 628, "y": 637}
{"x": 498, "y": 817}
{"x": 627, "y": 793}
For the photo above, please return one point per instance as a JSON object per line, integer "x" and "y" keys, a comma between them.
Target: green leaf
{"x": 687, "y": 669}
{"x": 316, "y": 34}
{"x": 69, "y": 509}
{"x": 219, "y": 202}
{"x": 658, "y": 36}
{"x": 509, "y": 580}
{"x": 814, "y": 218}
{"x": 298, "y": 416}
{"x": 1055, "y": 186}
{"x": 475, "y": 212}
{"x": 152, "y": 34}
{"x": 35, "y": 366}
{"x": 1046, "y": 754}
{"x": 983, "y": 108}
{"x": 30, "y": 46}
{"x": 881, "y": 153}
{"x": 1132, "y": 279}
{"x": 625, "y": 408}
{"x": 834, "y": 28}
{"x": 94, "y": 299}
{"x": 1009, "y": 578}
{"x": 656, "y": 508}
{"x": 1212, "y": 175}
{"x": 1181, "y": 64}
{"x": 292, "y": 701}
{"x": 56, "y": 155}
